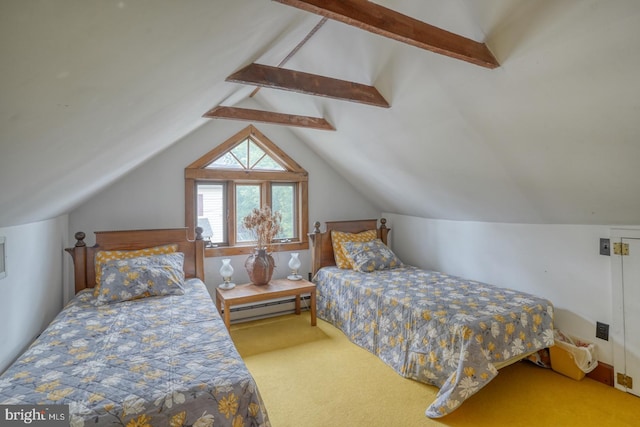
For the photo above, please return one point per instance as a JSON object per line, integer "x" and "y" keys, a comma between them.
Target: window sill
{"x": 246, "y": 250}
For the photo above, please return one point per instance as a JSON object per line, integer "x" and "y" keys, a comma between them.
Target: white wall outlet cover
{"x": 3, "y": 269}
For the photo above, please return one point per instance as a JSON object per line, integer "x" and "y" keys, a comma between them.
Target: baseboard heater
{"x": 246, "y": 313}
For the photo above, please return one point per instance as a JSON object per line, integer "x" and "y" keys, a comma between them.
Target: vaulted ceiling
{"x": 90, "y": 90}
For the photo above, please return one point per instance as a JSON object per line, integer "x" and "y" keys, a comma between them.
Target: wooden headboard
{"x": 83, "y": 256}
{"x": 320, "y": 243}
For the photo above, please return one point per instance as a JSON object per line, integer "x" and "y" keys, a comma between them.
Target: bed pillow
{"x": 103, "y": 257}
{"x": 338, "y": 238}
{"x": 371, "y": 256}
{"x": 141, "y": 277}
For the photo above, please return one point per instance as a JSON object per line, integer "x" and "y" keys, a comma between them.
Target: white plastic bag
{"x": 584, "y": 353}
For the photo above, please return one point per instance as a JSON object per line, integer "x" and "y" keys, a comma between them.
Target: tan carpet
{"x": 313, "y": 376}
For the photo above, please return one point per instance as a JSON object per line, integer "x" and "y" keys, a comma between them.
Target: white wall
{"x": 152, "y": 196}
{"x": 31, "y": 294}
{"x": 558, "y": 262}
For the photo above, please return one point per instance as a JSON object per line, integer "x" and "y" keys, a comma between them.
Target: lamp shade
{"x": 226, "y": 271}
{"x": 294, "y": 265}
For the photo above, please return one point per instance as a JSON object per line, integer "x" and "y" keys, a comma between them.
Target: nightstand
{"x": 278, "y": 288}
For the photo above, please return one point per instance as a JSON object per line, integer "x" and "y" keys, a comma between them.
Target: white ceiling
{"x": 91, "y": 89}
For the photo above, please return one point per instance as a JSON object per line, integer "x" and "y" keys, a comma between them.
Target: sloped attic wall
{"x": 152, "y": 196}
{"x": 549, "y": 137}
{"x": 92, "y": 89}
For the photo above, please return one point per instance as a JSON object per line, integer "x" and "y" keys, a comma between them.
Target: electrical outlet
{"x": 605, "y": 247}
{"x": 602, "y": 331}
{"x": 3, "y": 266}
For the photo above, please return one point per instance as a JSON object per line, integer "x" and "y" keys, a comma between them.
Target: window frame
{"x": 197, "y": 172}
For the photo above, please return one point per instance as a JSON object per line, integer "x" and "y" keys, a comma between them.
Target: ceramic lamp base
{"x": 226, "y": 285}
{"x": 294, "y": 277}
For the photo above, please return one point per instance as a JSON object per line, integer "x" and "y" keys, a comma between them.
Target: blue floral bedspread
{"x": 158, "y": 361}
{"x": 435, "y": 328}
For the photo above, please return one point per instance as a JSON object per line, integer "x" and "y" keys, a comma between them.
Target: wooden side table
{"x": 278, "y": 288}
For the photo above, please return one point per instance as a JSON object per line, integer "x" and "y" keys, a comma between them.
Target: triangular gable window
{"x": 247, "y": 155}
{"x": 248, "y": 151}
{"x": 246, "y": 171}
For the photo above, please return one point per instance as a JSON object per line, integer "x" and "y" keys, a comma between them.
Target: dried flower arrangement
{"x": 264, "y": 224}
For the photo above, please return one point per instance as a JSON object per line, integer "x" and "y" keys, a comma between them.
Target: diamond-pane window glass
{"x": 227, "y": 161}
{"x": 255, "y": 154}
{"x": 241, "y": 152}
{"x": 267, "y": 163}
{"x": 246, "y": 155}
{"x": 236, "y": 158}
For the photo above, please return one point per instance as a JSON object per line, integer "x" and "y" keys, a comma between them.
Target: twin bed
{"x": 428, "y": 326}
{"x": 147, "y": 348}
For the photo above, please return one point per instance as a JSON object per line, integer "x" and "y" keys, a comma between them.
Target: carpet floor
{"x": 314, "y": 376}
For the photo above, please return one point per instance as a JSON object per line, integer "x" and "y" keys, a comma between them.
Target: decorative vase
{"x": 260, "y": 266}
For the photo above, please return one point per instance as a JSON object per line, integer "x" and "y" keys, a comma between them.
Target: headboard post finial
{"x": 79, "y": 236}
{"x": 383, "y": 231}
{"x": 79, "y": 255}
{"x": 199, "y": 231}
{"x": 315, "y": 244}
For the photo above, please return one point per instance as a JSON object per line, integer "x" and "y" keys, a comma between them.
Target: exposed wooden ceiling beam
{"x": 296, "y": 49}
{"x": 312, "y": 84}
{"x": 235, "y": 113}
{"x": 386, "y": 22}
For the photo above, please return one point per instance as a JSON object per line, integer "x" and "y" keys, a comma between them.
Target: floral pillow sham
{"x": 103, "y": 257}
{"x": 141, "y": 277}
{"x": 371, "y": 256}
{"x": 338, "y": 238}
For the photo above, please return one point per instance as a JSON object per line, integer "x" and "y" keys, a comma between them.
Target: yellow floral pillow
{"x": 340, "y": 237}
{"x": 102, "y": 257}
